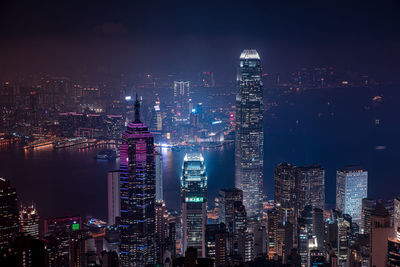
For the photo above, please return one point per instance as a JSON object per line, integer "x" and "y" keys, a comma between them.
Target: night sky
{"x": 68, "y": 37}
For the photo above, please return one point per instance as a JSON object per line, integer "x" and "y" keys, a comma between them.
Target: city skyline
{"x": 220, "y": 134}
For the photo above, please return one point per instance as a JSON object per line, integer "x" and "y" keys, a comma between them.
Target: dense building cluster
{"x": 296, "y": 228}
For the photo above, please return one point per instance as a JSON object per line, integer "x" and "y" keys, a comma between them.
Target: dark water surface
{"x": 332, "y": 127}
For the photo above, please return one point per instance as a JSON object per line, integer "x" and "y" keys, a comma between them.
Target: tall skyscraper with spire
{"x": 249, "y": 132}
{"x": 137, "y": 190}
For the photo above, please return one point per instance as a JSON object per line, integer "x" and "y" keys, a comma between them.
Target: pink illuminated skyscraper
{"x": 137, "y": 192}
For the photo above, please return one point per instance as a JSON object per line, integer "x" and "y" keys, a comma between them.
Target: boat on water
{"x": 70, "y": 142}
{"x": 108, "y": 154}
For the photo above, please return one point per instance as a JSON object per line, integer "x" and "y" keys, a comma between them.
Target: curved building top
{"x": 249, "y": 54}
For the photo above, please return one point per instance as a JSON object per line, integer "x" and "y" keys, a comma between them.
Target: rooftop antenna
{"x": 137, "y": 109}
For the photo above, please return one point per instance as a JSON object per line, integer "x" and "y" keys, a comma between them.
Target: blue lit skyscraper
{"x": 351, "y": 188}
{"x": 137, "y": 185}
{"x": 249, "y": 134}
{"x": 194, "y": 202}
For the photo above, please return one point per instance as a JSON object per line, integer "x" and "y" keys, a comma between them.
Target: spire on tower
{"x": 137, "y": 109}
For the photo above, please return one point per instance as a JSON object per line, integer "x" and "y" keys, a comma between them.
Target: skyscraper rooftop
{"x": 193, "y": 157}
{"x": 249, "y": 54}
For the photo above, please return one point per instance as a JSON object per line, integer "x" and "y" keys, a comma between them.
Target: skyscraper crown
{"x": 249, "y": 54}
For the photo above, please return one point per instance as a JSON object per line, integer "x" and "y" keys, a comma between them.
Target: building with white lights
{"x": 194, "y": 203}
{"x": 351, "y": 188}
{"x": 249, "y": 134}
{"x": 29, "y": 221}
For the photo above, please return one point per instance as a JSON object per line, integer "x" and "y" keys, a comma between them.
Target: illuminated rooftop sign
{"x": 75, "y": 226}
{"x": 194, "y": 199}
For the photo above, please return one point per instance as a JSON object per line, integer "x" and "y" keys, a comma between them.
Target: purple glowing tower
{"x": 137, "y": 178}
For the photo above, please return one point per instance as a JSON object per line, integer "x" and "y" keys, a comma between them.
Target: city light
{"x": 194, "y": 199}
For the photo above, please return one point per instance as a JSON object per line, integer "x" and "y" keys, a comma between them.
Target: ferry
{"x": 108, "y": 154}
{"x": 70, "y": 142}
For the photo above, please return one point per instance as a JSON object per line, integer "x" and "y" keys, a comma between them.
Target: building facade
{"x": 8, "y": 213}
{"x": 194, "y": 203}
{"x": 285, "y": 192}
{"x": 29, "y": 221}
{"x": 249, "y": 134}
{"x": 310, "y": 187}
{"x": 159, "y": 177}
{"x": 113, "y": 197}
{"x": 227, "y": 199}
{"x": 137, "y": 193}
{"x": 351, "y": 188}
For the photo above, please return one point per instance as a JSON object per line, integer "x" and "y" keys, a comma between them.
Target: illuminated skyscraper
{"x": 194, "y": 202}
{"x": 156, "y": 119}
{"x": 237, "y": 246}
{"x": 284, "y": 192}
{"x": 161, "y": 232}
{"x": 181, "y": 99}
{"x": 351, "y": 188}
{"x": 249, "y": 138}
{"x": 8, "y": 213}
{"x": 29, "y": 221}
{"x": 217, "y": 243}
{"x": 59, "y": 232}
{"x": 137, "y": 185}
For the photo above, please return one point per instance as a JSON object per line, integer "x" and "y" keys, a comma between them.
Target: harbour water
{"x": 332, "y": 128}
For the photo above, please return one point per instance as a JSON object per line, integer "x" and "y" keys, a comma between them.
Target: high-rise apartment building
{"x": 137, "y": 193}
{"x": 351, "y": 188}
{"x": 367, "y": 206}
{"x": 58, "y": 233}
{"x": 161, "y": 232}
{"x": 194, "y": 202}
{"x": 237, "y": 246}
{"x": 249, "y": 134}
{"x": 394, "y": 250}
{"x": 8, "y": 213}
{"x": 29, "y": 221}
{"x": 217, "y": 243}
{"x": 380, "y": 232}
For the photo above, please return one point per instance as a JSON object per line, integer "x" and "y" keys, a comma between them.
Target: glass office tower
{"x": 249, "y": 136}
{"x": 194, "y": 202}
{"x": 351, "y": 188}
{"x": 137, "y": 185}
{"x": 310, "y": 187}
